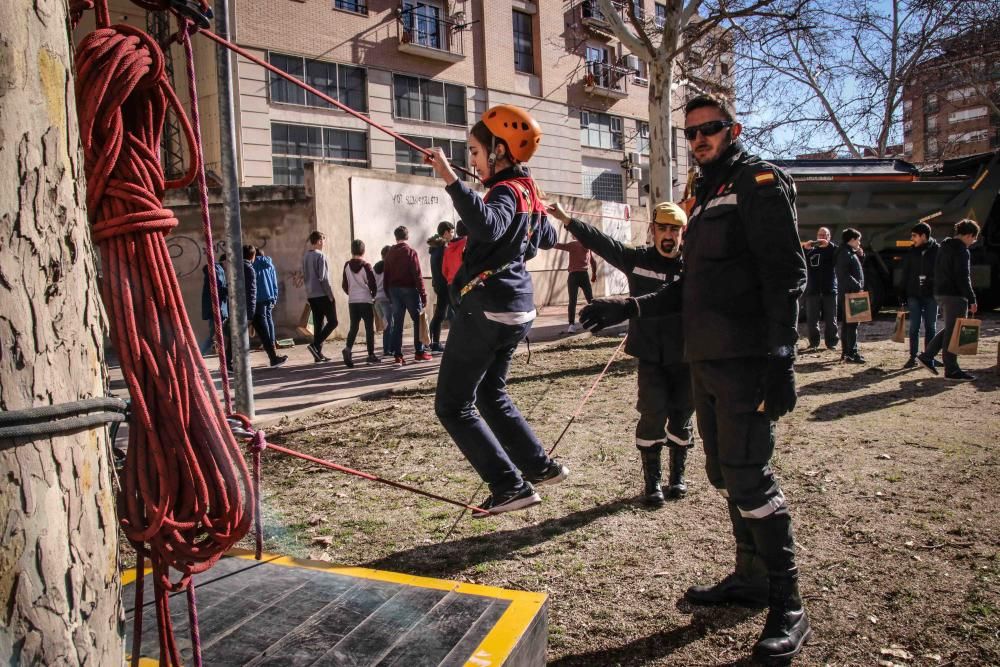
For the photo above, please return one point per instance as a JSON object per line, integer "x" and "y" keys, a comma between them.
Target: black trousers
{"x": 362, "y": 312}
{"x": 323, "y": 310}
{"x": 739, "y": 442}
{"x": 824, "y": 305}
{"x": 578, "y": 279}
{"x": 442, "y": 304}
{"x": 664, "y": 404}
{"x": 849, "y": 339}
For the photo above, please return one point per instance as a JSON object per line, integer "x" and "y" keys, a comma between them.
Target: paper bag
{"x": 857, "y": 307}
{"x": 965, "y": 336}
{"x": 379, "y": 321}
{"x": 305, "y": 325}
{"x": 425, "y": 331}
{"x": 899, "y": 332}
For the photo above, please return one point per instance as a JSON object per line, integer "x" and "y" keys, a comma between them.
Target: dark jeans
{"x": 739, "y": 442}
{"x": 824, "y": 305}
{"x": 263, "y": 324}
{"x": 362, "y": 312}
{"x": 385, "y": 309}
{"x": 921, "y": 308}
{"x": 953, "y": 308}
{"x": 578, "y": 279}
{"x": 323, "y": 310}
{"x": 405, "y": 300}
{"x": 442, "y": 306}
{"x": 473, "y": 405}
{"x": 849, "y": 339}
{"x": 664, "y": 401}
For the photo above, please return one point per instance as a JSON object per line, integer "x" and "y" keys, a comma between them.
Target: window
{"x": 601, "y": 130}
{"x": 422, "y": 22}
{"x": 908, "y": 148}
{"x": 344, "y": 83}
{"x": 724, "y": 68}
{"x": 603, "y": 184}
{"x": 642, "y": 142}
{"x": 282, "y": 90}
{"x": 411, "y": 161}
{"x": 640, "y": 11}
{"x": 356, "y": 6}
{"x": 930, "y": 122}
{"x": 907, "y": 106}
{"x": 968, "y": 137}
{"x": 660, "y": 17}
{"x": 907, "y": 126}
{"x": 524, "y": 54}
{"x": 966, "y": 114}
{"x": 932, "y": 147}
{"x": 961, "y": 94}
{"x": 294, "y": 145}
{"x": 429, "y": 100}
{"x": 931, "y": 103}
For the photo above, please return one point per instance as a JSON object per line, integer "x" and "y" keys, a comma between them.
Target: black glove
{"x": 607, "y": 312}
{"x": 779, "y": 383}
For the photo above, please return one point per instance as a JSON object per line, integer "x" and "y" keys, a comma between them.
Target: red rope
{"x": 186, "y": 496}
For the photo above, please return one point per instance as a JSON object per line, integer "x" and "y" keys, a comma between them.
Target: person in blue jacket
{"x": 495, "y": 308}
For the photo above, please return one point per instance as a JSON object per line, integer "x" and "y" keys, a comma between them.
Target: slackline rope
{"x": 50, "y": 420}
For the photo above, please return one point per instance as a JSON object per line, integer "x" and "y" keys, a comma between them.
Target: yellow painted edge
{"x": 979, "y": 180}
{"x": 143, "y": 662}
{"x": 391, "y": 577}
{"x": 904, "y": 244}
{"x": 499, "y": 642}
{"x": 128, "y": 576}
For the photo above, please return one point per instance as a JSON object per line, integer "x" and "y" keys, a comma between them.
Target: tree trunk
{"x": 59, "y": 582}
{"x": 661, "y": 168}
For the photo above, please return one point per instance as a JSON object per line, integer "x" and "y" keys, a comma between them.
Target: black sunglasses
{"x": 707, "y": 129}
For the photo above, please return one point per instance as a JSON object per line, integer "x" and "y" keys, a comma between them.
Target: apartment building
{"x": 950, "y": 109}
{"x": 428, "y": 69}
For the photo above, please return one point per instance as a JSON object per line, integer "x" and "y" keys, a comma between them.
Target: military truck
{"x": 884, "y": 198}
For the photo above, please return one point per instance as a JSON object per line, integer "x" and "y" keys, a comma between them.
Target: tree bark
{"x": 59, "y": 583}
{"x": 661, "y": 166}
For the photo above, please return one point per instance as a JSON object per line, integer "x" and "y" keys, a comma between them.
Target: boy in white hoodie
{"x": 360, "y": 286}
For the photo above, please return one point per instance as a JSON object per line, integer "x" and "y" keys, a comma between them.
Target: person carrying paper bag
{"x": 851, "y": 280}
{"x": 954, "y": 293}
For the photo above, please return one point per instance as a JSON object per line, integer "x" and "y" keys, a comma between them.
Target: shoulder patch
{"x": 764, "y": 178}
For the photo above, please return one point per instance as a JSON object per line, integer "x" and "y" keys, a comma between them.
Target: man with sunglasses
{"x": 744, "y": 271}
{"x": 664, "y": 380}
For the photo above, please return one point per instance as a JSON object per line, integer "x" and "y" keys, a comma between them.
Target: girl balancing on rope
{"x": 495, "y": 309}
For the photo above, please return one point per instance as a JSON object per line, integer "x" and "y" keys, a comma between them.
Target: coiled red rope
{"x": 186, "y": 496}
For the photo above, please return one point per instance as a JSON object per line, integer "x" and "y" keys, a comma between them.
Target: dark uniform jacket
{"x": 656, "y": 339}
{"x": 952, "y": 273}
{"x": 850, "y": 275}
{"x": 920, "y": 262}
{"x": 820, "y": 263}
{"x": 744, "y": 269}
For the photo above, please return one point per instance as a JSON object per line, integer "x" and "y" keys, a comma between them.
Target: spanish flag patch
{"x": 764, "y": 178}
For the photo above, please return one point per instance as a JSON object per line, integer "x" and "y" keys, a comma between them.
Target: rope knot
{"x": 257, "y": 442}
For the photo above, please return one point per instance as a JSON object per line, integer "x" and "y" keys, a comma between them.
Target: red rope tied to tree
{"x": 186, "y": 496}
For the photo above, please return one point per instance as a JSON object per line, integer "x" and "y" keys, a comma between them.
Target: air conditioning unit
{"x": 635, "y": 173}
{"x": 632, "y": 63}
{"x": 634, "y": 157}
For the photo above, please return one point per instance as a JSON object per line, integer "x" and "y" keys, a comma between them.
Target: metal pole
{"x": 242, "y": 376}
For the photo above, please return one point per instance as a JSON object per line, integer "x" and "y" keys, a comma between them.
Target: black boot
{"x": 786, "y": 629}
{"x": 747, "y": 584}
{"x": 651, "y": 475}
{"x": 677, "y": 486}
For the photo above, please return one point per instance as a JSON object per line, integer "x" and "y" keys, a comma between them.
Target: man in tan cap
{"x": 665, "y": 406}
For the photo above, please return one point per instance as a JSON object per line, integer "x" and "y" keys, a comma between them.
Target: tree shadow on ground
{"x": 907, "y": 392}
{"x": 448, "y": 558}
{"x": 663, "y": 643}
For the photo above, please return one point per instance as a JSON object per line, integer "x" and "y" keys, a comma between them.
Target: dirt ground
{"x": 891, "y": 477}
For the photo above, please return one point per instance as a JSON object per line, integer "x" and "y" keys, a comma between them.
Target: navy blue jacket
{"x": 657, "y": 339}
{"x": 952, "y": 271}
{"x": 920, "y": 262}
{"x": 499, "y": 237}
{"x": 206, "y": 296}
{"x": 822, "y": 278}
{"x": 850, "y": 275}
{"x": 250, "y": 285}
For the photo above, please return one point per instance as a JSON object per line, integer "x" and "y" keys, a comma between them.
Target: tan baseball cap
{"x": 669, "y": 213}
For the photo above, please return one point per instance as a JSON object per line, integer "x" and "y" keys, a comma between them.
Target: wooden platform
{"x": 284, "y": 611}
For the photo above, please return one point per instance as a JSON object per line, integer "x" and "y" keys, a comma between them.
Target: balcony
{"x": 593, "y": 17}
{"x": 606, "y": 80}
{"x": 421, "y": 33}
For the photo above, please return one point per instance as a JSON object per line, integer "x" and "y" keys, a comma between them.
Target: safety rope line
{"x": 323, "y": 96}
{"x": 641, "y": 221}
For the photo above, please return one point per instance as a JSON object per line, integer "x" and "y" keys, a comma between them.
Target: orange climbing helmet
{"x": 516, "y": 127}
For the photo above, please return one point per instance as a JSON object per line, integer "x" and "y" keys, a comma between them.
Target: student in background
{"x": 253, "y": 313}
{"x": 436, "y": 246}
{"x": 918, "y": 281}
{"x": 319, "y": 293}
{"x": 361, "y": 287}
{"x": 382, "y": 304}
{"x": 576, "y": 277}
{"x": 850, "y": 279}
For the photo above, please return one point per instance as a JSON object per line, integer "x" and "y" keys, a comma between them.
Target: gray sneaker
{"x": 518, "y": 498}
{"x": 554, "y": 473}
